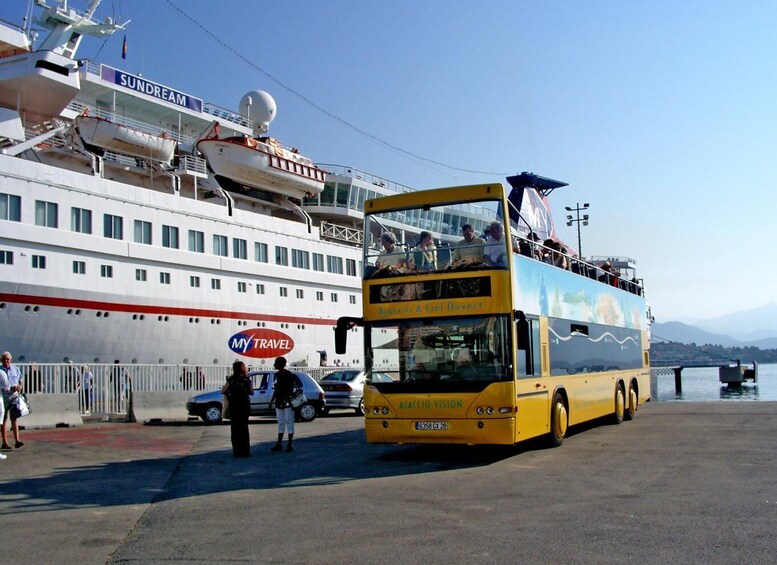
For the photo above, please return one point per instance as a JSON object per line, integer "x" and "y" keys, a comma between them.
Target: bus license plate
{"x": 420, "y": 426}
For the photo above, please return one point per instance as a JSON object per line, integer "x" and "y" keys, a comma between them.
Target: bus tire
{"x": 631, "y": 409}
{"x": 620, "y": 405}
{"x": 559, "y": 420}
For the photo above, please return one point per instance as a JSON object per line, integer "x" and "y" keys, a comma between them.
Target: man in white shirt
{"x": 495, "y": 252}
{"x": 11, "y": 382}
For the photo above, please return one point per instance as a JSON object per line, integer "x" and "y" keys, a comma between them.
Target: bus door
{"x": 531, "y": 389}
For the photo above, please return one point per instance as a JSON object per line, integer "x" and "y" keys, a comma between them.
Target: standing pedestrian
{"x": 281, "y": 396}
{"x": 121, "y": 382}
{"x": 87, "y": 384}
{"x": 238, "y": 390}
{"x": 11, "y": 383}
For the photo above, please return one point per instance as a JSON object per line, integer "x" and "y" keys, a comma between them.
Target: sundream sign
{"x": 261, "y": 343}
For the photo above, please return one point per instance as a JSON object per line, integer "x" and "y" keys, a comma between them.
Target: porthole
{"x": 186, "y": 361}
{"x": 78, "y": 312}
{"x": 26, "y": 308}
{"x": 167, "y": 318}
{"x": 142, "y": 316}
{"x": 134, "y": 360}
{"x": 161, "y": 361}
{"x": 134, "y": 316}
{"x": 159, "y": 318}
{"x": 70, "y": 311}
{"x": 215, "y": 361}
{"x": 106, "y": 314}
{"x": 36, "y": 309}
{"x": 196, "y": 320}
{"x": 99, "y": 314}
{"x": 2, "y": 306}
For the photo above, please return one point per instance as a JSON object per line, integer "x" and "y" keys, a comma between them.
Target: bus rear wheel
{"x": 631, "y": 409}
{"x": 620, "y": 405}
{"x": 559, "y": 419}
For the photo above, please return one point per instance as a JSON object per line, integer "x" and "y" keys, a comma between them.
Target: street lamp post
{"x": 577, "y": 219}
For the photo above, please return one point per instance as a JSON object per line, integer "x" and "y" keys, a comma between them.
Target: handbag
{"x": 225, "y": 407}
{"x": 298, "y": 399}
{"x": 19, "y": 406}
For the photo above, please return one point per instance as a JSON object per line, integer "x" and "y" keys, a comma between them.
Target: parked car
{"x": 345, "y": 388}
{"x": 208, "y": 405}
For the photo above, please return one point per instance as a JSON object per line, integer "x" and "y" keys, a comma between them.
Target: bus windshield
{"x": 427, "y": 239}
{"x": 449, "y": 350}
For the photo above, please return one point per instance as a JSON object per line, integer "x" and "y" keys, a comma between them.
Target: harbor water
{"x": 702, "y": 385}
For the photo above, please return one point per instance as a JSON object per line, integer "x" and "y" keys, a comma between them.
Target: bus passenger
{"x": 495, "y": 252}
{"x": 464, "y": 368}
{"x": 469, "y": 249}
{"x": 391, "y": 257}
{"x": 425, "y": 256}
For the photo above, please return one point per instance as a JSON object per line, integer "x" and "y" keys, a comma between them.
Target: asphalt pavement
{"x": 682, "y": 483}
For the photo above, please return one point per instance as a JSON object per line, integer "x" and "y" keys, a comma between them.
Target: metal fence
{"x": 104, "y": 389}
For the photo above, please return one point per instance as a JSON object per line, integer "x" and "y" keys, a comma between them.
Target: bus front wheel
{"x": 620, "y": 405}
{"x": 559, "y": 419}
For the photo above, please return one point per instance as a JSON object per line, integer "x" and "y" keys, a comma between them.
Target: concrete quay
{"x": 682, "y": 483}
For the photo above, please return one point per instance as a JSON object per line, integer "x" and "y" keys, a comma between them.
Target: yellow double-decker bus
{"x": 490, "y": 338}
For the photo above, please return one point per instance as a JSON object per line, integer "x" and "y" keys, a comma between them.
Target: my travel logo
{"x": 261, "y": 343}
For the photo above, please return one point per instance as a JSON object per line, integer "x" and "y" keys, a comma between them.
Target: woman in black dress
{"x": 238, "y": 390}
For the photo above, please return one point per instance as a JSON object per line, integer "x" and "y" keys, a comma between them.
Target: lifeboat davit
{"x": 263, "y": 163}
{"x": 125, "y": 139}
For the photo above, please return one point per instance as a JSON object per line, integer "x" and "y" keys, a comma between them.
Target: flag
{"x": 124, "y": 48}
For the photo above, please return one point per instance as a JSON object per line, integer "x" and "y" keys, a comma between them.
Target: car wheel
{"x": 360, "y": 409}
{"x": 212, "y": 413}
{"x": 306, "y": 412}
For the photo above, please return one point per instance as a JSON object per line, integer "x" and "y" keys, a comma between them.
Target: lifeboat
{"x": 125, "y": 139}
{"x": 263, "y": 163}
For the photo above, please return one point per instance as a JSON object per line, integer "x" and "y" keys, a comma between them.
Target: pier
{"x": 733, "y": 375}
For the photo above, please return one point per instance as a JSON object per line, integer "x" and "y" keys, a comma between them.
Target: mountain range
{"x": 748, "y": 328}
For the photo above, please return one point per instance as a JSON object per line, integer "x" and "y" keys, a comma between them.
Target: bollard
{"x": 678, "y": 380}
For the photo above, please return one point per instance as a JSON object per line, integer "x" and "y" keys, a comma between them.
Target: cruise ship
{"x": 141, "y": 223}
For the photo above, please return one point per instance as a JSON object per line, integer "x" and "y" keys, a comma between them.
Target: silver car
{"x": 345, "y": 388}
{"x": 208, "y": 405}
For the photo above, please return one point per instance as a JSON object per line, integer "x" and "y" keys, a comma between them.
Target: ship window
{"x": 350, "y": 267}
{"x": 79, "y": 267}
{"x": 239, "y": 248}
{"x": 143, "y": 232}
{"x": 46, "y": 214}
{"x": 10, "y": 207}
{"x": 334, "y": 264}
{"x": 318, "y": 262}
{"x": 106, "y": 271}
{"x": 196, "y": 241}
{"x": 241, "y": 286}
{"x": 300, "y": 259}
{"x": 260, "y": 252}
{"x": 259, "y": 289}
{"x": 333, "y": 297}
{"x": 194, "y": 281}
{"x": 281, "y": 255}
{"x": 220, "y": 245}
{"x": 113, "y": 226}
{"x": 141, "y": 275}
{"x": 284, "y": 291}
{"x": 300, "y": 293}
{"x": 319, "y": 296}
{"x": 342, "y": 194}
{"x": 215, "y": 284}
{"x": 38, "y": 261}
{"x": 170, "y": 237}
{"x": 328, "y": 195}
{"x": 352, "y": 298}
{"x": 164, "y": 278}
{"x": 6, "y": 257}
{"x": 80, "y": 220}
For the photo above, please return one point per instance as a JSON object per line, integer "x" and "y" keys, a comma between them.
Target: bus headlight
{"x": 489, "y": 410}
{"x": 479, "y": 410}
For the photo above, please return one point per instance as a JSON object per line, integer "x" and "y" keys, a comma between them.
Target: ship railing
{"x": 191, "y": 165}
{"x": 342, "y": 233}
{"x": 208, "y": 107}
{"x": 78, "y": 107}
{"x": 112, "y": 384}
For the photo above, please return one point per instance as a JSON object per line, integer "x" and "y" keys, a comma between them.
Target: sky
{"x": 660, "y": 114}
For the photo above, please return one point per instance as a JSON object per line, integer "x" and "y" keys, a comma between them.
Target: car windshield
{"x": 341, "y": 376}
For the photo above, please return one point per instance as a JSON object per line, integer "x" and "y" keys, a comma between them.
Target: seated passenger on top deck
{"x": 391, "y": 257}
{"x": 468, "y": 250}
{"x": 424, "y": 257}
{"x": 495, "y": 252}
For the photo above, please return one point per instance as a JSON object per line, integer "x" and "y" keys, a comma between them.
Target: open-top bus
{"x": 490, "y": 342}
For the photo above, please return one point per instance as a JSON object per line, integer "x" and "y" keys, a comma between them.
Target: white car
{"x": 208, "y": 405}
{"x": 345, "y": 388}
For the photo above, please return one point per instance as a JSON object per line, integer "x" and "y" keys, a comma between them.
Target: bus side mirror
{"x": 341, "y": 332}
